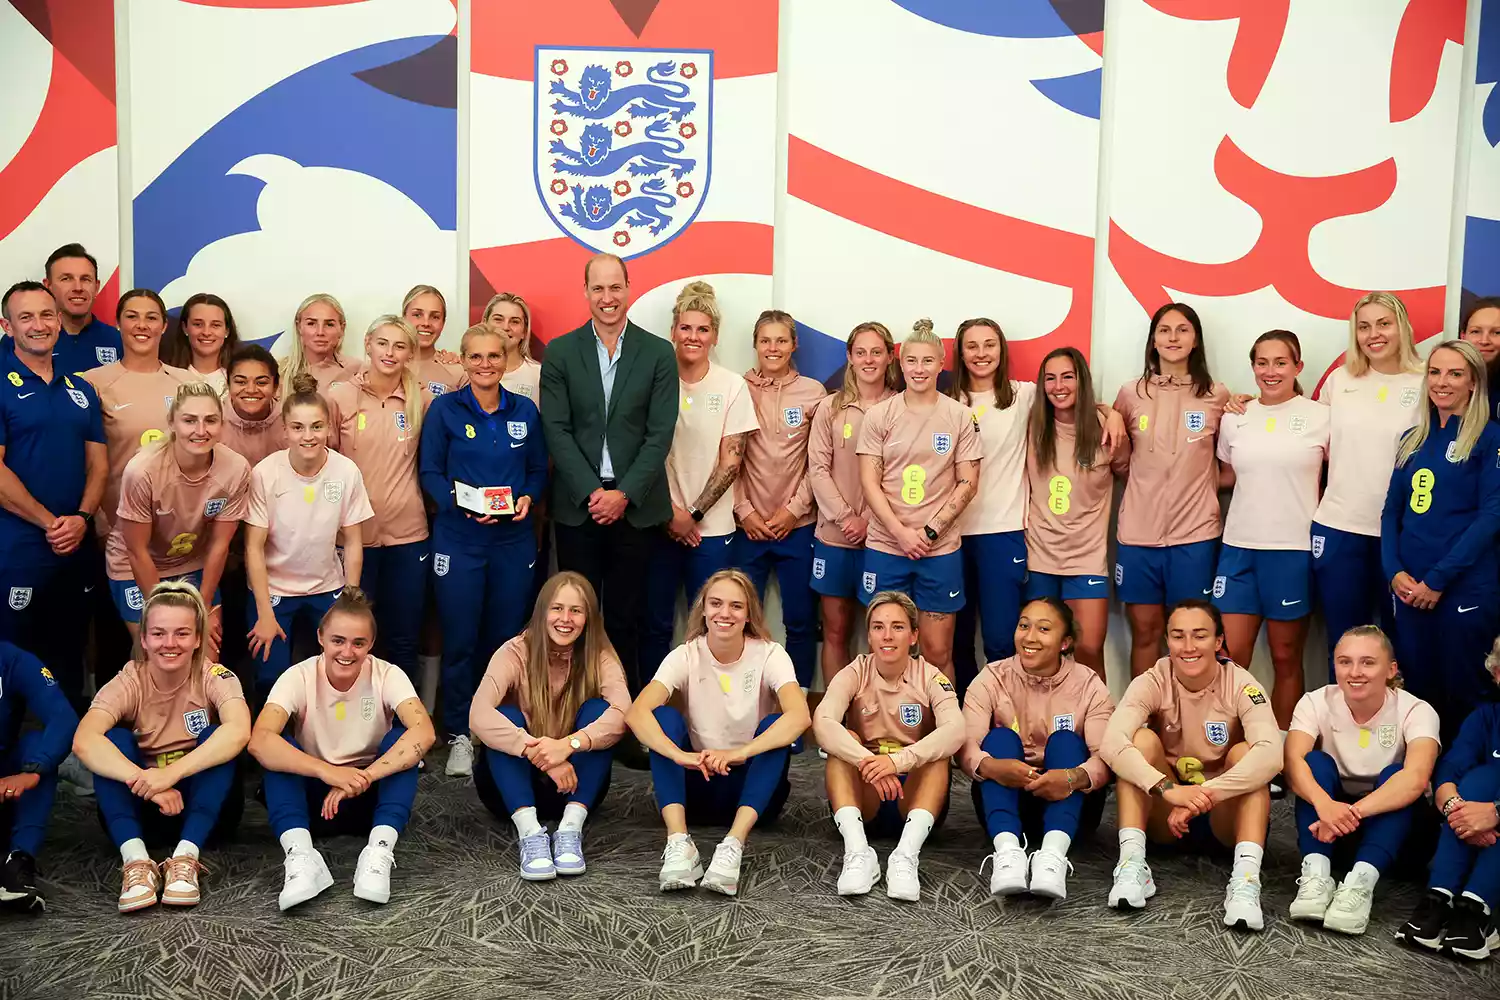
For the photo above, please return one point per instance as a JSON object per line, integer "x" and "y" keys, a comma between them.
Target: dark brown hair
{"x": 1203, "y": 382}
{"x": 1005, "y": 393}
{"x": 1087, "y": 435}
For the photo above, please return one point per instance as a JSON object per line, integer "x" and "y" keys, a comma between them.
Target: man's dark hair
{"x": 71, "y": 250}
{"x": 20, "y": 286}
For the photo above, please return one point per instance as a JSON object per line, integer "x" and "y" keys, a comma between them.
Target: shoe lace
{"x": 569, "y": 842}
{"x": 377, "y": 860}
{"x": 1132, "y": 870}
{"x": 182, "y": 868}
{"x": 1350, "y": 898}
{"x": 1050, "y": 862}
{"x": 1313, "y": 886}
{"x": 535, "y": 848}
{"x": 901, "y": 866}
{"x": 298, "y": 863}
{"x": 676, "y": 851}
{"x": 462, "y": 744}
{"x": 727, "y": 854}
{"x": 1243, "y": 889}
{"x": 857, "y": 861}
{"x": 139, "y": 873}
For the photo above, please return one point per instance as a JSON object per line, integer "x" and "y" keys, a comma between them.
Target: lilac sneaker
{"x": 536, "y": 858}
{"x": 567, "y": 852}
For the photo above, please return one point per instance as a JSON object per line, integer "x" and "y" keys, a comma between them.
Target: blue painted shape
{"x": 323, "y": 116}
{"x": 818, "y": 354}
{"x": 1487, "y": 70}
{"x": 1079, "y": 93}
{"x": 1482, "y": 256}
{"x": 1000, "y": 18}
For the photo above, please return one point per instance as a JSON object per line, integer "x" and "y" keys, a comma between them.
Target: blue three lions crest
{"x": 622, "y": 143}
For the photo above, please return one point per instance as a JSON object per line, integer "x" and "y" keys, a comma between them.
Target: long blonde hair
{"x": 515, "y": 300}
{"x": 179, "y": 594}
{"x": 849, "y": 391}
{"x": 1471, "y": 425}
{"x": 553, "y": 717}
{"x": 755, "y": 615}
{"x": 296, "y": 358}
{"x": 417, "y": 290}
{"x": 411, "y": 389}
{"x": 1355, "y": 362}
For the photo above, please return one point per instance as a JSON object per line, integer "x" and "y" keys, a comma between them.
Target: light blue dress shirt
{"x": 607, "y": 366}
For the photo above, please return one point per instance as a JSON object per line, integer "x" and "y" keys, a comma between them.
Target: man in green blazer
{"x": 609, "y": 406}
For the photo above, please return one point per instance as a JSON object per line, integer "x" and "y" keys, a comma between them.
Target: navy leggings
{"x": 212, "y": 801}
{"x": 506, "y": 782}
{"x": 759, "y": 783}
{"x": 1013, "y": 810}
{"x": 1378, "y": 838}
{"x": 295, "y": 801}
{"x": 1458, "y": 867}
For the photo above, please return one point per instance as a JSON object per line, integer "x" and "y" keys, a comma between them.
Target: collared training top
{"x": 460, "y": 441}
{"x": 44, "y": 429}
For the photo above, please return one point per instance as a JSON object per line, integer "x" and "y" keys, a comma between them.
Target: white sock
{"x": 185, "y": 848}
{"x": 678, "y": 838}
{"x": 299, "y": 839}
{"x": 1132, "y": 843}
{"x": 526, "y": 822}
{"x": 1007, "y": 841}
{"x": 575, "y": 814}
{"x": 1317, "y": 864}
{"x": 730, "y": 838}
{"x": 384, "y": 836}
{"x": 134, "y": 849}
{"x": 919, "y": 823}
{"x": 1057, "y": 842}
{"x": 852, "y": 826}
{"x": 1247, "y": 858}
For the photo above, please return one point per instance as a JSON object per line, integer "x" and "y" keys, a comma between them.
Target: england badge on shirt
{"x": 215, "y": 506}
{"x": 79, "y": 399}
{"x": 793, "y": 416}
{"x": 715, "y": 402}
{"x": 401, "y": 421}
{"x": 910, "y": 715}
{"x": 942, "y": 443}
{"x": 333, "y": 491}
{"x": 196, "y": 721}
{"x": 367, "y": 709}
{"x": 819, "y": 568}
{"x": 1387, "y": 736}
{"x": 436, "y": 388}
{"x": 1194, "y": 421}
{"x": 20, "y": 598}
{"x": 440, "y": 564}
{"x": 106, "y": 355}
{"x": 516, "y": 429}
{"x": 1409, "y": 397}
{"x": 1062, "y": 723}
{"x": 1451, "y": 454}
{"x": 1297, "y": 424}
{"x": 1217, "y": 732}
{"x": 1318, "y": 541}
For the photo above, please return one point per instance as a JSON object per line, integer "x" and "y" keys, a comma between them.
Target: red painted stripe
{"x": 1256, "y": 42}
{"x": 742, "y": 34}
{"x": 955, "y": 228}
{"x": 549, "y": 273}
{"x": 1427, "y": 26}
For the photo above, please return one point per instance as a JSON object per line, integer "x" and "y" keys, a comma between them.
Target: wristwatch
{"x": 932, "y": 536}
{"x": 88, "y": 519}
{"x": 1163, "y": 786}
{"x": 696, "y": 514}
{"x": 575, "y": 743}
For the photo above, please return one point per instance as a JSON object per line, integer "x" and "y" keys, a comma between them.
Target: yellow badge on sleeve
{"x": 1255, "y": 694}
{"x": 943, "y": 681}
{"x": 219, "y": 670}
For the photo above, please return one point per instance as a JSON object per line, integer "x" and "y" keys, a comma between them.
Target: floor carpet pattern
{"x": 462, "y": 923}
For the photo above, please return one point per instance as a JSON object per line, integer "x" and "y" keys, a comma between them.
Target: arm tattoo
{"x": 724, "y": 474}
{"x": 936, "y": 616}
{"x": 963, "y": 492}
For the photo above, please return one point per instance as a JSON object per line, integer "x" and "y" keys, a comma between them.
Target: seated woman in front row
{"x": 166, "y": 731}
{"x": 1358, "y": 791}
{"x": 1195, "y": 745}
{"x": 1458, "y": 914}
{"x": 350, "y": 765}
{"x": 724, "y": 757}
{"x": 549, "y": 711}
{"x": 1034, "y": 722}
{"x": 888, "y": 761}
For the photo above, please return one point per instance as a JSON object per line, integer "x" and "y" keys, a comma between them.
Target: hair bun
{"x": 923, "y": 325}
{"x": 306, "y": 383}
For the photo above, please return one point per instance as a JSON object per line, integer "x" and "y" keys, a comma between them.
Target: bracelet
{"x": 1453, "y": 802}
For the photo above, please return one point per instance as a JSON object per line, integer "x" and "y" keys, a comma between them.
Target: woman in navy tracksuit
{"x": 1437, "y": 539}
{"x": 485, "y": 437}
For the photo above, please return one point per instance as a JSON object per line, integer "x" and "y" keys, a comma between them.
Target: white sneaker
{"x": 681, "y": 865}
{"x": 1314, "y": 893}
{"x": 901, "y": 877}
{"x": 723, "y": 873}
{"x": 1008, "y": 876}
{"x": 460, "y": 757}
{"x": 1133, "y": 884}
{"x": 372, "y": 875}
{"x": 74, "y": 773}
{"x": 1242, "y": 903}
{"x": 861, "y": 872}
{"x": 1049, "y": 874}
{"x": 1349, "y": 912}
{"x": 306, "y": 876}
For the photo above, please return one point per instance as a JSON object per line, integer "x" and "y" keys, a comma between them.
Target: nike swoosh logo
{"x": 1015, "y": 560}
{"x": 728, "y": 539}
{"x": 1287, "y": 604}
{"x": 1210, "y": 590}
{"x": 1200, "y": 437}
{"x": 1095, "y": 583}
{"x": 1495, "y": 753}
{"x": 422, "y": 558}
{"x": 518, "y": 444}
{"x": 26, "y": 395}
{"x": 954, "y": 593}
{"x": 119, "y": 406}
{"x": 531, "y": 564}
{"x": 1463, "y": 610}
{"x": 88, "y": 590}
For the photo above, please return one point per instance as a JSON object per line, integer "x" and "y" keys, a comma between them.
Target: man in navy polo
{"x": 72, "y": 276}
{"x": 52, "y": 472}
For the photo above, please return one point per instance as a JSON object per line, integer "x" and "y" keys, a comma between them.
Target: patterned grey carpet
{"x": 461, "y": 923}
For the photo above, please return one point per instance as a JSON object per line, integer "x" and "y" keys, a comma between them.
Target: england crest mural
{"x": 623, "y": 143}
